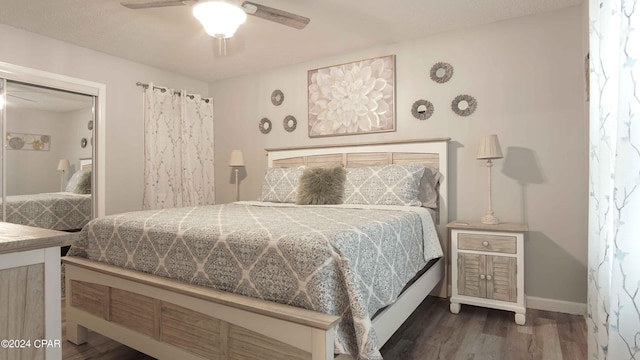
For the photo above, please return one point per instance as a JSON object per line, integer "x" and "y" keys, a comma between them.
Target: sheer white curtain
{"x": 614, "y": 177}
{"x": 178, "y": 149}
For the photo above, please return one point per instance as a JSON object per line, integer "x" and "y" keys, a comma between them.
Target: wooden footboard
{"x": 169, "y": 319}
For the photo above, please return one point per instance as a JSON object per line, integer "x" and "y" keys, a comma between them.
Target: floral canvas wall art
{"x": 352, "y": 98}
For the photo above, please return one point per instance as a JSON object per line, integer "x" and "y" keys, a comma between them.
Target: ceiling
{"x": 171, "y": 38}
{"x": 25, "y": 96}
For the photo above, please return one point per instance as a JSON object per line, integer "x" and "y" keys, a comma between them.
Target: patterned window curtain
{"x": 178, "y": 149}
{"x": 614, "y": 181}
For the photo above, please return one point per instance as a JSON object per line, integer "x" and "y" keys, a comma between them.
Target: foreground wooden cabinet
{"x": 30, "y": 306}
{"x": 488, "y": 266}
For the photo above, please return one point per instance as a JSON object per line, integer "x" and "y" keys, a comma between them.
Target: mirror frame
{"x": 47, "y": 79}
{"x": 290, "y": 119}
{"x": 426, "y": 113}
{"x": 265, "y": 126}
{"x": 471, "y": 101}
{"x": 448, "y": 72}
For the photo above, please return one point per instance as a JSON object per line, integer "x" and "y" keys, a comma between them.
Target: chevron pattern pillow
{"x": 396, "y": 184}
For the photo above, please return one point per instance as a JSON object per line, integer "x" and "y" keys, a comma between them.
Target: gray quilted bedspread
{"x": 57, "y": 211}
{"x": 337, "y": 260}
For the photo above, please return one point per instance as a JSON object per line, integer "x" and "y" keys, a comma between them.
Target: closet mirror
{"x": 47, "y": 173}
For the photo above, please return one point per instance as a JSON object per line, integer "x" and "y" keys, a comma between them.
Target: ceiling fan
{"x": 214, "y": 14}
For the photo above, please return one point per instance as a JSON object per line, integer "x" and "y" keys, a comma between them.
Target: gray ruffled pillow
{"x": 84, "y": 183}
{"x": 321, "y": 186}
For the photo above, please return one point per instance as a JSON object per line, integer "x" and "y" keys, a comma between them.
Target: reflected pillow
{"x": 321, "y": 186}
{"x": 84, "y": 183}
{"x": 73, "y": 182}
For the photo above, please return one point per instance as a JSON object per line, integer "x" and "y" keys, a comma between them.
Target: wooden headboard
{"x": 431, "y": 152}
{"x": 350, "y": 160}
{"x": 86, "y": 164}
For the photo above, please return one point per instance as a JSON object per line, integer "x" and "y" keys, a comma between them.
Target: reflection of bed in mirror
{"x": 67, "y": 210}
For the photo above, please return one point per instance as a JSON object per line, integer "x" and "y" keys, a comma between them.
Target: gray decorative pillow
{"x": 396, "y": 184}
{"x": 429, "y": 186}
{"x": 280, "y": 184}
{"x": 84, "y": 183}
{"x": 321, "y": 186}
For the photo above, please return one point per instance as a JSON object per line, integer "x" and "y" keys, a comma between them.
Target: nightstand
{"x": 487, "y": 266}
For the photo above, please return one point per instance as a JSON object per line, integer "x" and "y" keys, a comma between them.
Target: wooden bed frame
{"x": 168, "y": 319}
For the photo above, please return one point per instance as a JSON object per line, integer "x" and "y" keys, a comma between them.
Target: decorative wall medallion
{"x": 29, "y": 139}
{"x": 265, "y": 125}
{"x": 277, "y": 97}
{"x": 441, "y": 72}
{"x": 464, "y": 105}
{"x": 37, "y": 145}
{"x": 16, "y": 143}
{"x": 90, "y": 125}
{"x": 83, "y": 143}
{"x": 290, "y": 123}
{"x": 422, "y": 109}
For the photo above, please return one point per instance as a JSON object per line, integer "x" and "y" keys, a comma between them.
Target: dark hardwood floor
{"x": 432, "y": 332}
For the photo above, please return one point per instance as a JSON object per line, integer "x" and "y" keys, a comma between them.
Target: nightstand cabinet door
{"x": 471, "y": 275}
{"x": 501, "y": 278}
{"x": 487, "y": 266}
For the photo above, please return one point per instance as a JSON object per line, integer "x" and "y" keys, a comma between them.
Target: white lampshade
{"x": 236, "y": 158}
{"x": 489, "y": 148}
{"x": 63, "y": 165}
{"x": 220, "y": 19}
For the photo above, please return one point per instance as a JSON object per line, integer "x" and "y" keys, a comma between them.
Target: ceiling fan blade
{"x": 144, "y": 4}
{"x": 276, "y": 15}
{"x": 20, "y": 97}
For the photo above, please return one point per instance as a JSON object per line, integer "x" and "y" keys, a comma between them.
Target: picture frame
{"x": 352, "y": 98}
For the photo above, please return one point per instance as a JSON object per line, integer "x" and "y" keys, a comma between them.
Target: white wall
{"x": 527, "y": 75}
{"x": 124, "y": 125}
{"x": 78, "y": 129}
{"x": 31, "y": 171}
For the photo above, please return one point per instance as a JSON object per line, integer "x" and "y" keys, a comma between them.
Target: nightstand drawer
{"x": 484, "y": 242}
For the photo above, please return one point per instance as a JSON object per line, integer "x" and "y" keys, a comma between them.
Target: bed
{"x": 177, "y": 318}
{"x": 56, "y": 211}
{"x": 69, "y": 210}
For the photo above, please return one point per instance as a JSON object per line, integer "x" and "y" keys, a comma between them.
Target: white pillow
{"x": 281, "y": 184}
{"x": 396, "y": 184}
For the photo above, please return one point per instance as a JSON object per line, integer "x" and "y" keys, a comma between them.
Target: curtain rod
{"x": 163, "y": 89}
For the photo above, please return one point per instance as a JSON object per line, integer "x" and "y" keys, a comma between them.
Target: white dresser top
{"x": 15, "y": 238}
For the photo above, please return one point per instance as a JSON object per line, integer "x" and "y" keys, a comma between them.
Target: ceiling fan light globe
{"x": 219, "y": 19}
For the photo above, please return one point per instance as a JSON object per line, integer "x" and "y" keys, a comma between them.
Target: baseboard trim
{"x": 562, "y": 306}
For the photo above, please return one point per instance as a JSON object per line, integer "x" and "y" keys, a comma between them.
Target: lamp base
{"x": 490, "y": 219}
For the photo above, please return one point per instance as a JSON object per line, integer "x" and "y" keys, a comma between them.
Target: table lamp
{"x": 489, "y": 149}
{"x": 236, "y": 161}
{"x": 63, "y": 165}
